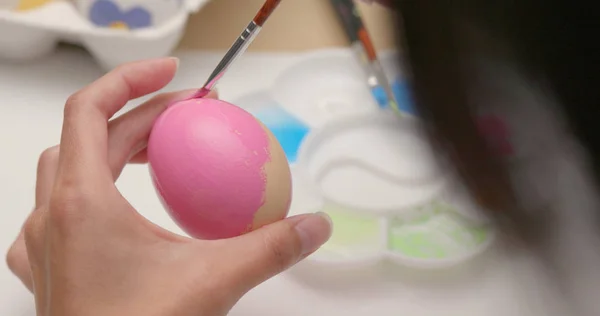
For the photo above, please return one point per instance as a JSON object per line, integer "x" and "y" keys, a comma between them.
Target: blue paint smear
{"x": 380, "y": 96}
{"x": 402, "y": 93}
{"x": 286, "y": 128}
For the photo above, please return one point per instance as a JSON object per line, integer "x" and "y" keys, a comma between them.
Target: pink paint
{"x": 201, "y": 93}
{"x": 207, "y": 160}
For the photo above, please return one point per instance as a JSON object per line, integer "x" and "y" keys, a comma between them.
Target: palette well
{"x": 436, "y": 236}
{"x": 331, "y": 84}
{"x": 378, "y": 163}
{"x": 357, "y": 240}
{"x": 321, "y": 87}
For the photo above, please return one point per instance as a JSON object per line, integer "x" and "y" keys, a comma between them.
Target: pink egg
{"x": 219, "y": 172}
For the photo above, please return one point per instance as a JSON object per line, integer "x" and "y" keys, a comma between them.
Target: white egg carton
{"x": 370, "y": 170}
{"x": 30, "y": 29}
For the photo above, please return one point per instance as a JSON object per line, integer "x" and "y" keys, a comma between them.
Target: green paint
{"x": 438, "y": 233}
{"x": 353, "y": 231}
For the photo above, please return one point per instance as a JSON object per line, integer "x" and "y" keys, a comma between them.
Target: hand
{"x": 85, "y": 250}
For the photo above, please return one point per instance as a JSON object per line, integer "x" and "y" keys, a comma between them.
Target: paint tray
{"x": 371, "y": 171}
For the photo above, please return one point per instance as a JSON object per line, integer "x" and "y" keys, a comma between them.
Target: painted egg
{"x": 129, "y": 14}
{"x": 219, "y": 172}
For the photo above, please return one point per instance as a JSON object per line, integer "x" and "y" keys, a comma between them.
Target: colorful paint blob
{"x": 402, "y": 93}
{"x": 218, "y": 170}
{"x": 106, "y": 13}
{"x": 288, "y": 130}
{"x": 437, "y": 233}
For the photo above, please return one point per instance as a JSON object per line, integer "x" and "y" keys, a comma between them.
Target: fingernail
{"x": 176, "y": 60}
{"x": 214, "y": 92}
{"x": 313, "y": 230}
{"x": 188, "y": 93}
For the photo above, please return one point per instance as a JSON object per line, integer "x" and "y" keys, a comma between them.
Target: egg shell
{"x": 219, "y": 172}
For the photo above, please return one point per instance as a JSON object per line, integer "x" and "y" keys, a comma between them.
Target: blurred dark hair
{"x": 548, "y": 41}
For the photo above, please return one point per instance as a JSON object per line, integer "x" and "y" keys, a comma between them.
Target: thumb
{"x": 257, "y": 256}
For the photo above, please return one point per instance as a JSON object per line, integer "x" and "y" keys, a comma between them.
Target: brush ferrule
{"x": 238, "y": 48}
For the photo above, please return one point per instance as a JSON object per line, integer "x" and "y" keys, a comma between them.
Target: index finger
{"x": 84, "y": 141}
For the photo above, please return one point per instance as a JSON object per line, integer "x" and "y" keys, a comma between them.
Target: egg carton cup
{"x": 33, "y": 33}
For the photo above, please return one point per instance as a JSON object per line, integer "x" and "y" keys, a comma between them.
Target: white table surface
{"x": 32, "y": 97}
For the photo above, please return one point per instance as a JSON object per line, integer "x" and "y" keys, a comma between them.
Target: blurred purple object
{"x": 106, "y": 13}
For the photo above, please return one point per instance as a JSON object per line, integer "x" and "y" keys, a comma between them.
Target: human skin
{"x": 85, "y": 250}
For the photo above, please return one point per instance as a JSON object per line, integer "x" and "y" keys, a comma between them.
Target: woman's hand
{"x": 85, "y": 250}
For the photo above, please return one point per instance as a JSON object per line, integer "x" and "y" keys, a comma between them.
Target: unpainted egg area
{"x": 219, "y": 171}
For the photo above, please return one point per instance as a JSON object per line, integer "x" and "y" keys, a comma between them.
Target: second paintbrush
{"x": 239, "y": 46}
{"x": 361, "y": 42}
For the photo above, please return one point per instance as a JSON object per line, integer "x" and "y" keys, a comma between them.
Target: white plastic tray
{"x": 33, "y": 33}
{"x": 373, "y": 172}
{"x": 387, "y": 197}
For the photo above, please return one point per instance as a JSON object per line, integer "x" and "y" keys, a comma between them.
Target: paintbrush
{"x": 362, "y": 44}
{"x": 348, "y": 21}
{"x": 239, "y": 46}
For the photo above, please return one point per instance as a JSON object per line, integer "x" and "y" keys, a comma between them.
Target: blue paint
{"x": 380, "y": 96}
{"x": 286, "y": 128}
{"x": 105, "y": 12}
{"x": 402, "y": 93}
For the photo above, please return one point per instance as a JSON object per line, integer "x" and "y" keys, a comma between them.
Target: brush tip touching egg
{"x": 219, "y": 171}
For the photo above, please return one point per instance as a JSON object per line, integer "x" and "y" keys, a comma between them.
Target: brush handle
{"x": 346, "y": 13}
{"x": 265, "y": 12}
{"x": 353, "y": 25}
{"x": 238, "y": 48}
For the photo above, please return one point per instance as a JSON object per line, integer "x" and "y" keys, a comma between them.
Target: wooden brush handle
{"x": 266, "y": 10}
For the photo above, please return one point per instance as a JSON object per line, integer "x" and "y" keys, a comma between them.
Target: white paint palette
{"x": 114, "y": 31}
{"x": 387, "y": 195}
{"x": 374, "y": 173}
